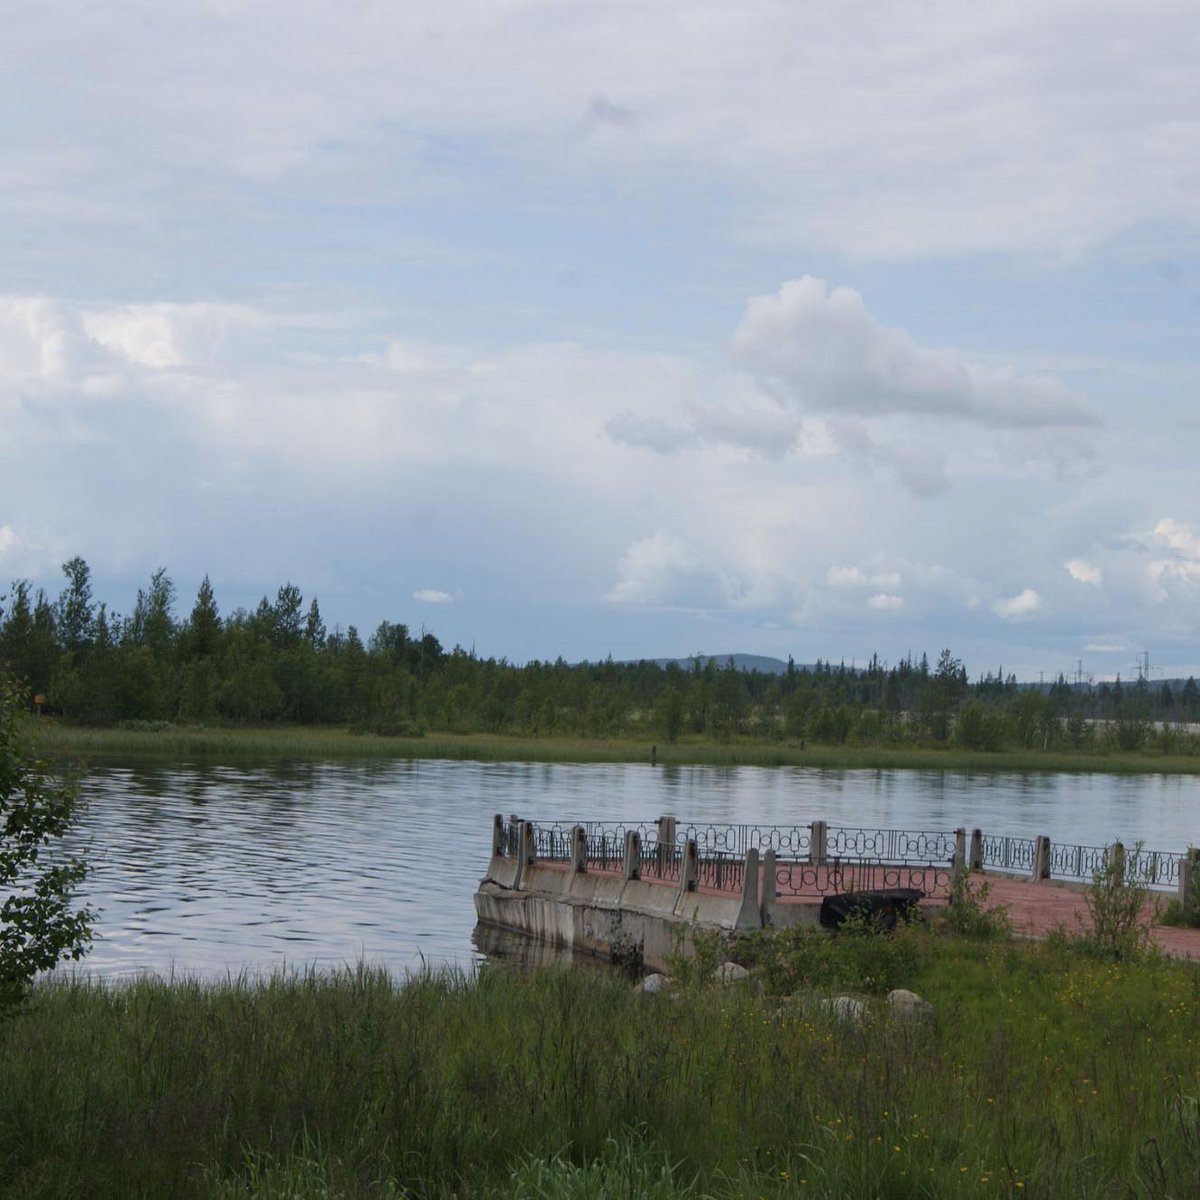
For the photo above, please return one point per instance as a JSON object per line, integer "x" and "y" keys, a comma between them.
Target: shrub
{"x": 38, "y": 927}
{"x": 969, "y": 914}
{"x": 1115, "y": 899}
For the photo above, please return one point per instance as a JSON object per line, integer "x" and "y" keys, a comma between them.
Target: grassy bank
{"x": 1047, "y": 1073}
{"x": 226, "y": 744}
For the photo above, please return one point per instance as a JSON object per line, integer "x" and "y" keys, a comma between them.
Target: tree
{"x": 75, "y": 612}
{"x": 38, "y": 926}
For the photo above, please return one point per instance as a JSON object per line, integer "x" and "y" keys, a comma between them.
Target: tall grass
{"x": 232, "y": 743}
{"x": 1047, "y": 1073}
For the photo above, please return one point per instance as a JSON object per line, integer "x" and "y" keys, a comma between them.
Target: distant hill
{"x": 743, "y": 662}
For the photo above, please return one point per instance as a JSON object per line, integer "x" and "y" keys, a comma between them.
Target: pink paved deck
{"x": 1035, "y": 909}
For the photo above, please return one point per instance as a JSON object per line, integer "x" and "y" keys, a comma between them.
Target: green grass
{"x": 1048, "y": 1073}
{"x": 230, "y": 743}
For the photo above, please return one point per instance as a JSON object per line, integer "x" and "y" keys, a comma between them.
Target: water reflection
{"x": 216, "y": 869}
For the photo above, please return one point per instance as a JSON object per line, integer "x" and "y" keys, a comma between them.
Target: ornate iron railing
{"x": 1076, "y": 862}
{"x": 1007, "y": 853}
{"x": 659, "y": 861}
{"x": 860, "y": 875}
{"x": 724, "y": 872}
{"x": 890, "y": 845}
{"x": 721, "y": 851}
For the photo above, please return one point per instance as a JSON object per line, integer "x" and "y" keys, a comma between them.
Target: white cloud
{"x": 432, "y": 596}
{"x": 823, "y": 351}
{"x": 168, "y": 335}
{"x": 10, "y": 544}
{"x": 885, "y": 602}
{"x": 1020, "y": 607}
{"x": 1106, "y": 648}
{"x": 663, "y": 570}
{"x": 840, "y": 577}
{"x": 651, "y": 433}
{"x": 935, "y": 135}
{"x": 1084, "y": 572}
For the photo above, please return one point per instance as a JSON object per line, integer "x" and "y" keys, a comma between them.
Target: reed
{"x": 1047, "y": 1073}
{"x": 234, "y": 743}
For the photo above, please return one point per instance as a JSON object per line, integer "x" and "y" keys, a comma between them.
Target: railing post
{"x": 976, "y": 859}
{"x": 1041, "y": 859}
{"x": 578, "y": 850}
{"x": 633, "y": 854}
{"x": 665, "y": 835}
{"x": 687, "y": 867}
{"x": 818, "y": 843}
{"x": 749, "y": 915}
{"x": 1116, "y": 864}
{"x": 767, "y": 905}
{"x": 497, "y": 834}
{"x": 1187, "y": 881}
{"x": 958, "y": 863}
{"x": 524, "y": 850}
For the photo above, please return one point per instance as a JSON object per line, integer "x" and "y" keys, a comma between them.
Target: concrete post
{"x": 1041, "y": 859}
{"x": 1189, "y": 877}
{"x": 767, "y": 908}
{"x": 818, "y": 843}
{"x": 958, "y": 863}
{"x": 688, "y": 873}
{"x": 1116, "y": 864}
{"x": 749, "y": 916}
{"x": 665, "y": 827}
{"x": 633, "y": 854}
{"x": 578, "y": 850}
{"x": 524, "y": 851}
{"x": 976, "y": 859}
{"x": 497, "y": 834}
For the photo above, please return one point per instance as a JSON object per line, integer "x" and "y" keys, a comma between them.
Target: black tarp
{"x": 884, "y": 907}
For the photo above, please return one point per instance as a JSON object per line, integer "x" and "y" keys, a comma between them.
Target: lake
{"x": 210, "y": 870}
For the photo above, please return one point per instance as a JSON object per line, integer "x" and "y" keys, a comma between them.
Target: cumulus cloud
{"x": 841, "y": 577}
{"x": 1021, "y": 607}
{"x": 762, "y": 430}
{"x": 824, "y": 351}
{"x": 1084, "y": 572}
{"x": 10, "y": 543}
{"x": 1178, "y": 570}
{"x": 651, "y": 433}
{"x": 432, "y": 596}
{"x": 168, "y": 335}
{"x": 664, "y": 570}
{"x": 884, "y": 602}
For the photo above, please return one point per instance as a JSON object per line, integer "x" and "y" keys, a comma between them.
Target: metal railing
{"x": 724, "y": 872}
{"x": 890, "y": 845}
{"x": 721, "y": 851}
{"x": 1007, "y": 853}
{"x": 859, "y": 875}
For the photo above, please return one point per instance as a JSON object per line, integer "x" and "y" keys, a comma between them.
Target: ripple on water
{"x": 215, "y": 870}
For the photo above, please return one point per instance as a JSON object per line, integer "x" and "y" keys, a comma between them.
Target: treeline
{"x": 279, "y": 663}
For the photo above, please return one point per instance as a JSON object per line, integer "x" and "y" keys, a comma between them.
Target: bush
{"x": 968, "y": 913}
{"x": 1115, "y": 899}
{"x": 38, "y": 927}
{"x": 859, "y": 957}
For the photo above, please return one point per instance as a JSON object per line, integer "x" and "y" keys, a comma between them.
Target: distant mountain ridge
{"x": 743, "y": 662}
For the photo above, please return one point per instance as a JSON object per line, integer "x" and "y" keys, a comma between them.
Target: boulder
{"x": 731, "y": 972}
{"x": 851, "y": 1009}
{"x": 908, "y": 1006}
{"x": 654, "y": 983}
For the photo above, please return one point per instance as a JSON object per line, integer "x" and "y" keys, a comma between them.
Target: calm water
{"x": 209, "y": 870}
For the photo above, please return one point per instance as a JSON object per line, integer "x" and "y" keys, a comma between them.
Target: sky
{"x": 826, "y": 328}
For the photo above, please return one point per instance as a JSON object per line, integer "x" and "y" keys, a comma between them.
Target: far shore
{"x": 58, "y": 741}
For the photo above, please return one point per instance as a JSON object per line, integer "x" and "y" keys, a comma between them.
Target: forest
{"x": 280, "y": 664}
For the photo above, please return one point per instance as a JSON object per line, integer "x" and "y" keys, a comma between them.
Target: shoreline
{"x": 58, "y": 741}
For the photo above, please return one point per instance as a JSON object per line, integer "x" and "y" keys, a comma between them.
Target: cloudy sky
{"x": 823, "y": 328}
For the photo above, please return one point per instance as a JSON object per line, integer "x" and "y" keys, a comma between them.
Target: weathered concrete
{"x": 600, "y": 913}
